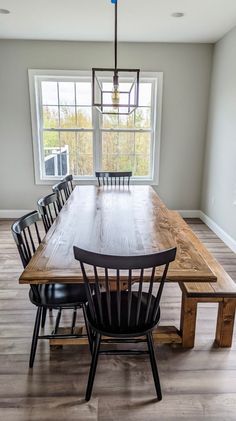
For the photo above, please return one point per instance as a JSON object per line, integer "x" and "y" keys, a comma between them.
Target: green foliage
{"x": 121, "y": 151}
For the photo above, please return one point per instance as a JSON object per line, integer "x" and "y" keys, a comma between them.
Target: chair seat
{"x": 60, "y": 295}
{"x": 133, "y": 327}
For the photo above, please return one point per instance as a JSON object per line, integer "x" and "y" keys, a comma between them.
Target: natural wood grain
{"x": 224, "y": 287}
{"x": 224, "y": 292}
{"x": 162, "y": 334}
{"x": 188, "y": 321}
{"x": 125, "y": 221}
{"x": 225, "y": 323}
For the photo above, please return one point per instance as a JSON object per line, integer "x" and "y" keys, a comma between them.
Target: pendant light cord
{"x": 116, "y": 35}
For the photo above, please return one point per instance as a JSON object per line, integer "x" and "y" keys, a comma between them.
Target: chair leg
{"x": 93, "y": 366}
{"x": 35, "y": 336}
{"x": 44, "y": 314}
{"x": 154, "y": 366}
{"x": 58, "y": 319}
{"x": 73, "y": 320}
{"x": 89, "y": 333}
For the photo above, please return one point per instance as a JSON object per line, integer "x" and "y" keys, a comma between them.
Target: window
{"x": 70, "y": 136}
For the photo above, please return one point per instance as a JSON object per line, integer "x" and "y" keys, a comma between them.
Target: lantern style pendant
{"x": 114, "y": 90}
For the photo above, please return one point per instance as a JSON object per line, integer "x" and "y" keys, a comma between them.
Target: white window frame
{"x": 36, "y": 76}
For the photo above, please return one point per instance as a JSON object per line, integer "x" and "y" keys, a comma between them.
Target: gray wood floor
{"x": 197, "y": 384}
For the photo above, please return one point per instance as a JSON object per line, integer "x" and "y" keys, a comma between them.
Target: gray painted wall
{"x": 187, "y": 69}
{"x": 219, "y": 180}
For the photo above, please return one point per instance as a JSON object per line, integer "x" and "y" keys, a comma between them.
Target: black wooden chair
{"x": 49, "y": 208}
{"x": 124, "y": 316}
{"x": 52, "y": 296}
{"x": 69, "y": 180}
{"x": 62, "y": 191}
{"x": 113, "y": 178}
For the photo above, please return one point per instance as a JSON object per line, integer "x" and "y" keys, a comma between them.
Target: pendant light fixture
{"x": 115, "y": 90}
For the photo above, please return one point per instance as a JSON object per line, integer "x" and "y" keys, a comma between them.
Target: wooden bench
{"x": 222, "y": 292}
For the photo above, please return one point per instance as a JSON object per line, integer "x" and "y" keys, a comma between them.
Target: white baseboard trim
{"x": 13, "y": 213}
{"x": 228, "y": 240}
{"x": 189, "y": 213}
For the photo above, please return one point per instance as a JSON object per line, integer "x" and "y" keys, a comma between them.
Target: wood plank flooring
{"x": 197, "y": 384}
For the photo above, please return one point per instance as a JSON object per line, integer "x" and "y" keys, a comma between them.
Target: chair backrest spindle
{"x": 26, "y": 235}
{"x": 69, "y": 180}
{"x": 49, "y": 209}
{"x": 62, "y": 191}
{"x": 113, "y": 178}
{"x": 139, "y": 304}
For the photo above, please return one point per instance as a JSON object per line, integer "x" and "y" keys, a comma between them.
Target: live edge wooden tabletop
{"x": 113, "y": 220}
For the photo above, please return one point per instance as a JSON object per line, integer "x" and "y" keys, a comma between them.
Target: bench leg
{"x": 188, "y": 321}
{"x": 225, "y": 323}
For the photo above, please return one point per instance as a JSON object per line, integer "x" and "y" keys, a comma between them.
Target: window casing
{"x": 70, "y": 136}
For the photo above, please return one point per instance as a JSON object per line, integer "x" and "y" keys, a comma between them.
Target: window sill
{"x": 93, "y": 181}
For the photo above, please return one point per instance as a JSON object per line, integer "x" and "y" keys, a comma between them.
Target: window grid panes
{"x": 126, "y": 139}
{"x": 67, "y": 112}
{"x": 77, "y": 139}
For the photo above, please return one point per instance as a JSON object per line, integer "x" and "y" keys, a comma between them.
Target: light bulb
{"x": 115, "y": 97}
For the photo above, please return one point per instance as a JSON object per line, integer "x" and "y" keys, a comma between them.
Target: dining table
{"x": 115, "y": 220}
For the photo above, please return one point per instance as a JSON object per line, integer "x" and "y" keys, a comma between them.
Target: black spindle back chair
{"x": 26, "y": 235}
{"x": 58, "y": 296}
{"x": 62, "y": 191}
{"x": 120, "y": 314}
{"x": 49, "y": 209}
{"x": 69, "y": 180}
{"x": 113, "y": 178}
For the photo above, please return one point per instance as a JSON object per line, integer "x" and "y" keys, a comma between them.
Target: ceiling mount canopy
{"x": 115, "y": 90}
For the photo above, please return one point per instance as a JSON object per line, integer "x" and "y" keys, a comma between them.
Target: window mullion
{"x": 40, "y": 131}
{"x": 96, "y": 140}
{"x": 64, "y": 129}
{"x": 111, "y": 130}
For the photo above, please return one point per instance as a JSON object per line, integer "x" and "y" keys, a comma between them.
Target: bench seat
{"x": 223, "y": 292}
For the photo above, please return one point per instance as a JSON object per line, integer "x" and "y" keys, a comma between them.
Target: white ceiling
{"x": 138, "y": 20}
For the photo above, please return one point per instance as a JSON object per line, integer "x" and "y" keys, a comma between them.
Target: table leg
{"x": 225, "y": 322}
{"x": 188, "y": 321}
